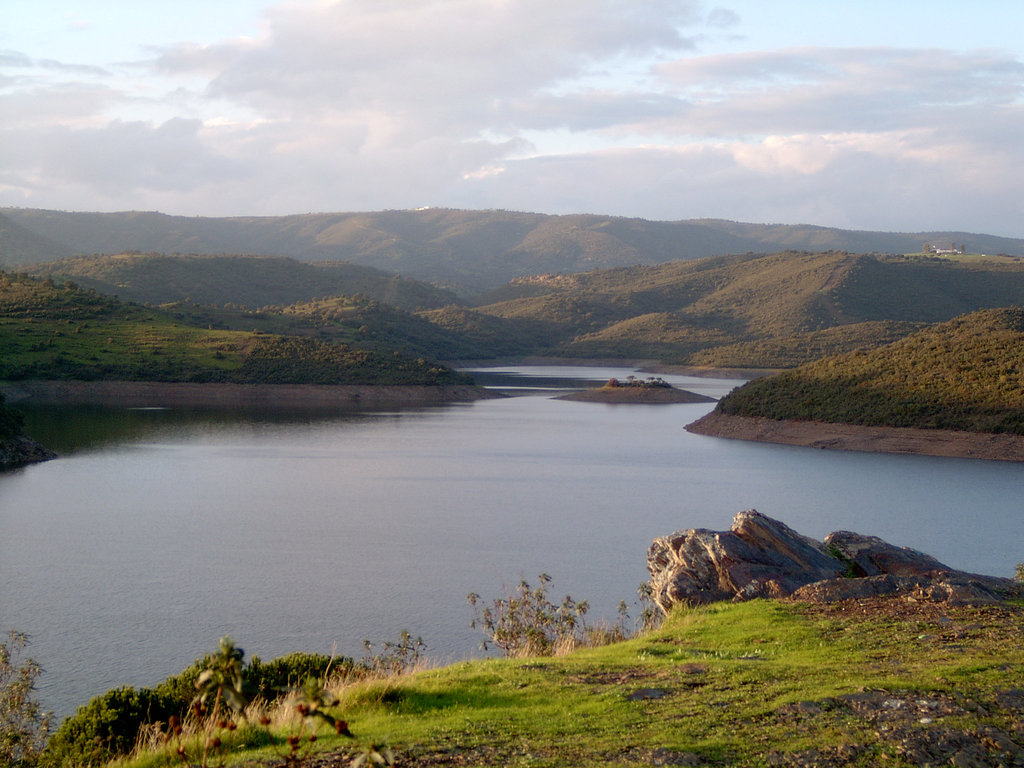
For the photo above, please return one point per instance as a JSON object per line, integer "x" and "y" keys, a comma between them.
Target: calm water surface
{"x": 159, "y": 531}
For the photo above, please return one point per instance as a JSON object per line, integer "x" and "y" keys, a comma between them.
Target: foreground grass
{"x": 753, "y": 684}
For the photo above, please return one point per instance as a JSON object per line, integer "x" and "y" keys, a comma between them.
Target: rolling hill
{"x": 62, "y": 332}
{"x": 965, "y": 374}
{"x": 751, "y": 311}
{"x": 251, "y": 282}
{"x": 467, "y": 251}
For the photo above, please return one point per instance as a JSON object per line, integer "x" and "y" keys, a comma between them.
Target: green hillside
{"x": 744, "y": 311}
{"x": 761, "y": 683}
{"x": 246, "y": 281}
{"x": 755, "y": 310}
{"x": 51, "y": 331}
{"x": 964, "y": 374}
{"x": 469, "y": 251}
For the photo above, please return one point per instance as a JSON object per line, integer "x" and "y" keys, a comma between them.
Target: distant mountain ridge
{"x": 468, "y": 251}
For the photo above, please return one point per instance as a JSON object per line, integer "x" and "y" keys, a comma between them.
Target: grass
{"x": 758, "y": 683}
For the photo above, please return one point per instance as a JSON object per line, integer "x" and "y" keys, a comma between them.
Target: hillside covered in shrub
{"x": 63, "y": 332}
{"x": 752, "y": 311}
{"x": 964, "y": 374}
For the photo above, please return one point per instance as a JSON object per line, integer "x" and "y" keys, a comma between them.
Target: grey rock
{"x": 762, "y": 557}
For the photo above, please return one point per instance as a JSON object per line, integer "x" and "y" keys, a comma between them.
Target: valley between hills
{"x": 877, "y": 337}
{"x": 328, "y": 313}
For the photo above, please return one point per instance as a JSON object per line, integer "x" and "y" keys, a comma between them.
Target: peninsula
{"x": 952, "y": 389}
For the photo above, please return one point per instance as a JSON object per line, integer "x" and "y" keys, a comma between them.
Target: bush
{"x": 23, "y": 728}
{"x": 527, "y": 623}
{"x": 106, "y": 727}
{"x": 11, "y": 421}
{"x": 274, "y": 678}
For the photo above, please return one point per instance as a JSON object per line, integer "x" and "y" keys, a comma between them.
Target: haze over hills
{"x": 468, "y": 251}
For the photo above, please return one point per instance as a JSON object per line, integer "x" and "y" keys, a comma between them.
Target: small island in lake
{"x": 652, "y": 390}
{"x": 952, "y": 389}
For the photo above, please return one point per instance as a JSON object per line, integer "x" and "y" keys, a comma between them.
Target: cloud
{"x": 581, "y": 105}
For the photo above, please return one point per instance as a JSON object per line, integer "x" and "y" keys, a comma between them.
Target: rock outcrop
{"x": 21, "y": 450}
{"x": 762, "y": 557}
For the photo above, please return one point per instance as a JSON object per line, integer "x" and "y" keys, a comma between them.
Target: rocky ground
{"x": 18, "y": 451}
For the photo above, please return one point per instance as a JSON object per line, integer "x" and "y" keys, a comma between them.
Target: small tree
{"x": 23, "y": 728}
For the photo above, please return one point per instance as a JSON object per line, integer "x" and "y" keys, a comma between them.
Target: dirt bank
{"x": 141, "y": 394}
{"x": 637, "y": 395}
{"x": 847, "y": 437}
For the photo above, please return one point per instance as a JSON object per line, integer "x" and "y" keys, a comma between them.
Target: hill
{"x": 760, "y": 683}
{"x": 58, "y": 332}
{"x": 469, "y": 251}
{"x": 746, "y": 311}
{"x": 964, "y": 374}
{"x": 245, "y": 281}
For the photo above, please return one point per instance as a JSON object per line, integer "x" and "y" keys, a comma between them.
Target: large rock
{"x": 756, "y": 557}
{"x": 762, "y": 557}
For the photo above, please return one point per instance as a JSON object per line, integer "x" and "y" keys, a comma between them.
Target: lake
{"x": 159, "y": 531}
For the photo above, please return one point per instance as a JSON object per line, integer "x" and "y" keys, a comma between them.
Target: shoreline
{"x": 154, "y": 394}
{"x": 626, "y": 395}
{"x": 850, "y": 437}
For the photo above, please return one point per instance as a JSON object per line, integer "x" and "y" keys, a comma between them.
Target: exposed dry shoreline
{"x": 141, "y": 394}
{"x": 637, "y": 395}
{"x": 849, "y": 437}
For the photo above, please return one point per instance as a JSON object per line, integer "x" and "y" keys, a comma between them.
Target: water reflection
{"x": 157, "y": 532}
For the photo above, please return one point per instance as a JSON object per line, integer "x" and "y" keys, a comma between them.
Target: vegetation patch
{"x": 965, "y": 374}
{"x": 762, "y": 683}
{"x": 64, "y": 332}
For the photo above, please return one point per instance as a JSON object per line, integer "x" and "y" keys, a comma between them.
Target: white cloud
{"x": 576, "y": 105}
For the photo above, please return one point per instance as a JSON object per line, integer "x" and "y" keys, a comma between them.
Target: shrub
{"x": 527, "y": 623}
{"x": 272, "y": 679}
{"x": 11, "y": 423}
{"x": 109, "y": 724}
{"x": 23, "y": 728}
{"x": 105, "y": 728}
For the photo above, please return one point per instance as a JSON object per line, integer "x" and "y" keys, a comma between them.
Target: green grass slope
{"x": 964, "y": 374}
{"x": 752, "y": 684}
{"x": 51, "y": 331}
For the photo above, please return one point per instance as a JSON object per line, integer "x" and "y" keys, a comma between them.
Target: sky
{"x": 898, "y": 115}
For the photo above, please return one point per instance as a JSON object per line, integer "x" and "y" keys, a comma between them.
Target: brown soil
{"x": 849, "y": 437}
